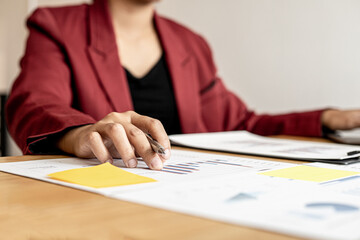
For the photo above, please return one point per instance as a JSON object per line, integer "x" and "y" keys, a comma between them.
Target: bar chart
{"x": 194, "y": 166}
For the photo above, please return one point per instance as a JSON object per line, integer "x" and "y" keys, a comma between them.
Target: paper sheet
{"x": 346, "y": 136}
{"x": 103, "y": 175}
{"x": 248, "y": 143}
{"x": 309, "y": 173}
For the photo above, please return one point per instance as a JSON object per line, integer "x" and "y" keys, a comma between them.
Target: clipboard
{"x": 243, "y": 142}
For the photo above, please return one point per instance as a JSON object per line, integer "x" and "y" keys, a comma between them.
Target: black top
{"x": 153, "y": 96}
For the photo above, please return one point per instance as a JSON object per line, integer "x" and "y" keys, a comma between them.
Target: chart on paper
{"x": 191, "y": 167}
{"x": 202, "y": 165}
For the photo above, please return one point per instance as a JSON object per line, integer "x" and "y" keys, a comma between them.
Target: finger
{"x": 98, "y": 148}
{"x": 117, "y": 134}
{"x": 142, "y": 146}
{"x": 155, "y": 128}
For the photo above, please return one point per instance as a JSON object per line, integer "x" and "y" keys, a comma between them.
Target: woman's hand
{"x": 118, "y": 135}
{"x": 341, "y": 120}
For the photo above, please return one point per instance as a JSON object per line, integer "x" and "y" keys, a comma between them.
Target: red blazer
{"x": 71, "y": 75}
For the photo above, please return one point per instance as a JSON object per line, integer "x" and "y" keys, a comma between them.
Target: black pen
{"x": 353, "y": 152}
{"x": 155, "y": 145}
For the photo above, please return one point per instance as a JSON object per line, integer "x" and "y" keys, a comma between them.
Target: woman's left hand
{"x": 341, "y": 119}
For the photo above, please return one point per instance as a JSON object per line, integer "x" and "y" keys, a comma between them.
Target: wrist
{"x": 68, "y": 142}
{"x": 327, "y": 119}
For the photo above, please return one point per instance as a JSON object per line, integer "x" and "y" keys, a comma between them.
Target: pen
{"x": 353, "y": 153}
{"x": 155, "y": 145}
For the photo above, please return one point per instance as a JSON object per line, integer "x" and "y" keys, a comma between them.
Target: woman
{"x": 96, "y": 77}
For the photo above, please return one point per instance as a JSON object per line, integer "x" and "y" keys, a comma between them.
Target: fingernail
{"x": 167, "y": 153}
{"x": 132, "y": 163}
{"x": 165, "y": 156}
{"x": 156, "y": 163}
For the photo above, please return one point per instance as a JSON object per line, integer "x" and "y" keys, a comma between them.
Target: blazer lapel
{"x": 182, "y": 72}
{"x": 104, "y": 56}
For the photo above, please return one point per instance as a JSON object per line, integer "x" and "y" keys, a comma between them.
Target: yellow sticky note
{"x": 104, "y": 175}
{"x": 308, "y": 173}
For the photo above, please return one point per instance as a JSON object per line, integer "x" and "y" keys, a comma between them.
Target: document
{"x": 183, "y": 165}
{"x": 310, "y": 173}
{"x": 275, "y": 196}
{"x": 346, "y": 136}
{"x": 247, "y": 143}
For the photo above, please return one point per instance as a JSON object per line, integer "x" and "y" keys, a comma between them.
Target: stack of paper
{"x": 247, "y": 143}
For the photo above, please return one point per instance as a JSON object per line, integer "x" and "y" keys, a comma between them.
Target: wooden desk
{"x": 36, "y": 210}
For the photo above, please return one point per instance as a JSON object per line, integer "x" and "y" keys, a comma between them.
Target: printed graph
{"x": 191, "y": 167}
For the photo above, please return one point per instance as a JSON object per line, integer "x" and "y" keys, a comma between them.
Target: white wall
{"x": 281, "y": 55}
{"x": 278, "y": 55}
{"x": 12, "y": 37}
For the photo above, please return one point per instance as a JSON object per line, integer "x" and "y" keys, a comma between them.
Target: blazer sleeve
{"x": 41, "y": 101}
{"x": 222, "y": 110}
